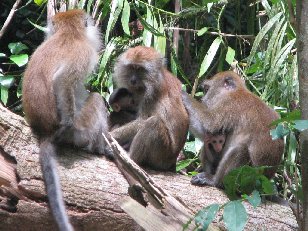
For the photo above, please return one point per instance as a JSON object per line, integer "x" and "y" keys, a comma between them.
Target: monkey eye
{"x": 214, "y": 142}
{"x": 206, "y": 88}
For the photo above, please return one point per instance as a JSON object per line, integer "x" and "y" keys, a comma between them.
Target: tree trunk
{"x": 302, "y": 49}
{"x": 93, "y": 187}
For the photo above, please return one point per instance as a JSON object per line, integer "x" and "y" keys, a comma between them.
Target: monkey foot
{"x": 201, "y": 179}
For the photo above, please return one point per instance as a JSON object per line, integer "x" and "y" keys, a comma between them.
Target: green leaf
{"x": 148, "y": 33}
{"x": 20, "y": 60}
{"x": 209, "y": 56}
{"x": 39, "y": 2}
{"x": 190, "y": 146}
{"x": 183, "y": 164}
{"x": 288, "y": 117}
{"x": 7, "y": 81}
{"x": 2, "y": 55}
{"x": 160, "y": 41}
{"x": 4, "y": 94}
{"x": 254, "y": 199}
{"x": 41, "y": 28}
{"x": 106, "y": 57}
{"x": 230, "y": 183}
{"x": 206, "y": 216}
{"x": 235, "y": 216}
{"x": 260, "y": 36}
{"x": 230, "y": 55}
{"x": 125, "y": 17}
{"x": 301, "y": 125}
{"x": 268, "y": 186}
{"x": 116, "y": 9}
{"x": 16, "y": 48}
{"x": 202, "y": 31}
{"x": 279, "y": 132}
{"x": 247, "y": 179}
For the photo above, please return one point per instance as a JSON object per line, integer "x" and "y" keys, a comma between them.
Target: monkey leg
{"x": 126, "y": 133}
{"x": 152, "y": 146}
{"x": 90, "y": 124}
{"x": 233, "y": 157}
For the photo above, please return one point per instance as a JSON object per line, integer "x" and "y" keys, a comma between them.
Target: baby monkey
{"x": 211, "y": 153}
{"x": 124, "y": 108}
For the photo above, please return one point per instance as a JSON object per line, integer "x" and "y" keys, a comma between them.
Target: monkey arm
{"x": 206, "y": 119}
{"x": 195, "y": 109}
{"x": 65, "y": 98}
{"x": 127, "y": 132}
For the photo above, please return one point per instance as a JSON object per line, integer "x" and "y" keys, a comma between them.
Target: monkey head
{"x": 220, "y": 85}
{"x": 75, "y": 22}
{"x": 139, "y": 69}
{"x": 215, "y": 141}
{"x": 122, "y": 99}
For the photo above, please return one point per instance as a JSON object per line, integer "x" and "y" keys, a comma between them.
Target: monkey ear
{"x": 229, "y": 83}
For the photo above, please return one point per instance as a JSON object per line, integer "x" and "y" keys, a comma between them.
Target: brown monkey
{"x": 159, "y": 132}
{"x": 211, "y": 152}
{"x": 228, "y": 106}
{"x": 56, "y": 103}
{"x": 124, "y": 108}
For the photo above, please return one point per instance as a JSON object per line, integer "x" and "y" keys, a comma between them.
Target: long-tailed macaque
{"x": 159, "y": 132}
{"x": 228, "y": 106}
{"x": 57, "y": 105}
{"x": 211, "y": 153}
{"x": 124, "y": 108}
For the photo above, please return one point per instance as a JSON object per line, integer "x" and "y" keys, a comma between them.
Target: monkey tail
{"x": 52, "y": 184}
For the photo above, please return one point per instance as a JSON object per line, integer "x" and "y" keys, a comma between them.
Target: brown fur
{"x": 56, "y": 103}
{"x": 159, "y": 132}
{"x": 229, "y": 107}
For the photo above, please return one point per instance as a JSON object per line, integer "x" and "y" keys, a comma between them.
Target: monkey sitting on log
{"x": 56, "y": 103}
{"x": 228, "y": 106}
{"x": 159, "y": 132}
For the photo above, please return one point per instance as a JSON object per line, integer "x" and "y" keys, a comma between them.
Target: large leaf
{"x": 7, "y": 81}
{"x": 235, "y": 216}
{"x": 160, "y": 41}
{"x": 301, "y": 125}
{"x": 116, "y": 9}
{"x": 209, "y": 57}
{"x": 16, "y": 48}
{"x": 230, "y": 55}
{"x": 279, "y": 132}
{"x": 125, "y": 17}
{"x": 206, "y": 216}
{"x": 183, "y": 164}
{"x": 261, "y": 35}
{"x": 20, "y": 60}
{"x": 39, "y": 2}
{"x": 4, "y": 94}
{"x": 254, "y": 199}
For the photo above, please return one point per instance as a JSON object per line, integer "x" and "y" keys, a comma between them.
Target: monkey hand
{"x": 202, "y": 179}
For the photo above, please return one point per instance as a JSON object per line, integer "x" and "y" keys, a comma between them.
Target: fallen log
{"x": 93, "y": 188}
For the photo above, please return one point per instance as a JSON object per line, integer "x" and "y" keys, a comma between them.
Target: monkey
{"x": 159, "y": 132}
{"x": 124, "y": 108}
{"x": 228, "y": 106}
{"x": 57, "y": 105}
{"x": 211, "y": 152}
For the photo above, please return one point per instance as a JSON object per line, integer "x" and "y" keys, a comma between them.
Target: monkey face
{"x": 218, "y": 143}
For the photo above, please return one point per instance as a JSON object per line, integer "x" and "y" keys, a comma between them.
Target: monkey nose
{"x": 133, "y": 81}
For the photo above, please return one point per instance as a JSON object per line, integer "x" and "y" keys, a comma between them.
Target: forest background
{"x": 199, "y": 38}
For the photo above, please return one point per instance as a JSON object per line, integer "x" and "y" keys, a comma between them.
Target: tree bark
{"x": 302, "y": 48}
{"x": 93, "y": 187}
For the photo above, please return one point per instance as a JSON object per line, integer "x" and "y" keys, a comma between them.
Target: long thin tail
{"x": 52, "y": 183}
